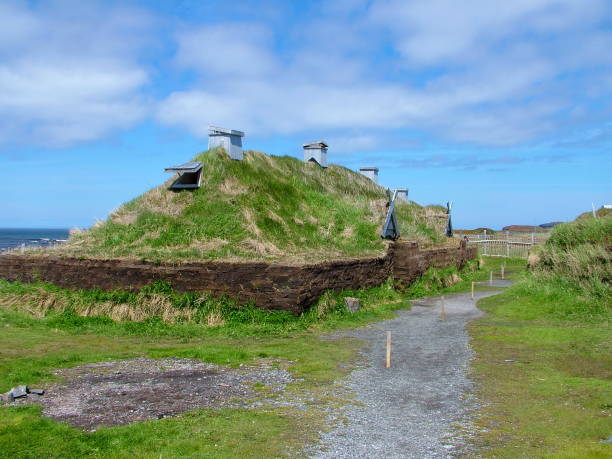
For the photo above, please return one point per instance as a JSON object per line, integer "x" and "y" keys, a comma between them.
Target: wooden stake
{"x": 503, "y": 268}
{"x": 490, "y": 277}
{"x": 472, "y": 290}
{"x": 388, "y": 365}
{"x": 442, "y": 310}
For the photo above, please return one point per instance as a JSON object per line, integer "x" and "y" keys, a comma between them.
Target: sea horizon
{"x": 11, "y": 238}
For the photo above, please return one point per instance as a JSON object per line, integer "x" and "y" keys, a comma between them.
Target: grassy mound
{"x": 575, "y": 268}
{"x": 601, "y": 212}
{"x": 265, "y": 207}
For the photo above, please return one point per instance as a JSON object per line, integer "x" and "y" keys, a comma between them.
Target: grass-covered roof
{"x": 264, "y": 207}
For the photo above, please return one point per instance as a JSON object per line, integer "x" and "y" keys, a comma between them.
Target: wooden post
{"x": 388, "y": 364}
{"x": 503, "y": 268}
{"x": 442, "y": 310}
{"x": 472, "y": 290}
{"x": 490, "y": 277}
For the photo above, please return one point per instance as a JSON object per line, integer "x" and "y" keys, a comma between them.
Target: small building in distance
{"x": 316, "y": 151}
{"x": 370, "y": 172}
{"x": 229, "y": 139}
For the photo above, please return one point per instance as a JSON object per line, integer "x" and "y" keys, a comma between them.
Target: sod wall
{"x": 269, "y": 285}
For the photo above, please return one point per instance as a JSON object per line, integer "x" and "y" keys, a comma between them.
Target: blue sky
{"x": 502, "y": 107}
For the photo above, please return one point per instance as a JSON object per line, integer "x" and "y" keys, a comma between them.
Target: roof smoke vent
{"x": 402, "y": 194}
{"x": 316, "y": 152}
{"x": 229, "y": 139}
{"x": 370, "y": 172}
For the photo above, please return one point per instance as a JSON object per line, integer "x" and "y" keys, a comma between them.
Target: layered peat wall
{"x": 269, "y": 285}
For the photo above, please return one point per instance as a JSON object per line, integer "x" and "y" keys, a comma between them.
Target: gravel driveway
{"x": 412, "y": 408}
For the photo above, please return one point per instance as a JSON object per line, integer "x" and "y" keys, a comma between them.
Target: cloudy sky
{"x": 502, "y": 107}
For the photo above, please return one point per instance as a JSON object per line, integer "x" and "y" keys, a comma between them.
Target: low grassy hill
{"x": 601, "y": 212}
{"x": 264, "y": 207}
{"x": 577, "y": 260}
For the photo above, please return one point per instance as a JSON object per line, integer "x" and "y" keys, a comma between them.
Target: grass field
{"x": 546, "y": 383}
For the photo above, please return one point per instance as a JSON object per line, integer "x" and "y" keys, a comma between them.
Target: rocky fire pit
{"x": 126, "y": 391}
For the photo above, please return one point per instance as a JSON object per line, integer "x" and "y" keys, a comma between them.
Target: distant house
{"x": 316, "y": 152}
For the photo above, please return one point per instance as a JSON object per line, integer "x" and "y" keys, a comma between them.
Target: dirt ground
{"x": 140, "y": 389}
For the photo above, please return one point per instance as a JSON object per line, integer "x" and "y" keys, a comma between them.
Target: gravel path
{"x": 412, "y": 408}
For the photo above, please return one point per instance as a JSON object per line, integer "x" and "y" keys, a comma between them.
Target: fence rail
{"x": 533, "y": 238}
{"x": 503, "y": 248}
{"x": 506, "y": 244}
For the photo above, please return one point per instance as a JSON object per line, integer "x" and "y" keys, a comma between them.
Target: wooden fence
{"x": 506, "y": 244}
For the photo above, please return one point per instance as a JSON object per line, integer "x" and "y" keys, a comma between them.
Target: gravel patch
{"x": 140, "y": 389}
{"x": 419, "y": 406}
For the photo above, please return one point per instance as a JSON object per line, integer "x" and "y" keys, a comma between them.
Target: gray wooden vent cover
{"x": 190, "y": 175}
{"x": 391, "y": 228}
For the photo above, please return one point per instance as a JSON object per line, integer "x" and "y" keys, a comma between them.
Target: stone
{"x": 17, "y": 392}
{"x": 352, "y": 304}
{"x": 37, "y": 391}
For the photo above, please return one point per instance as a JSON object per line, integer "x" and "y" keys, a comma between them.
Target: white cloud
{"x": 449, "y": 32}
{"x": 69, "y": 72}
{"x": 494, "y": 73}
{"x": 227, "y": 49}
{"x": 504, "y": 71}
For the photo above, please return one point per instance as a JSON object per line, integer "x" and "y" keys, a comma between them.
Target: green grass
{"x": 545, "y": 382}
{"x": 264, "y": 207}
{"x": 585, "y": 231}
{"x": 544, "y": 352}
{"x": 201, "y": 433}
{"x": 576, "y": 263}
{"x": 601, "y": 212}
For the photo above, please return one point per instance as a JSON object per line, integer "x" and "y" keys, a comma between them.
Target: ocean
{"x": 30, "y": 237}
